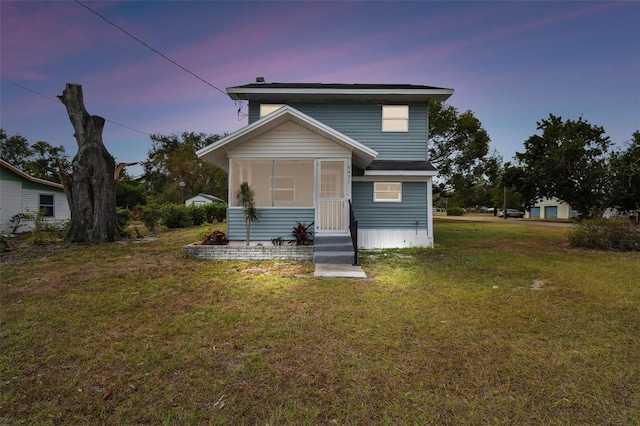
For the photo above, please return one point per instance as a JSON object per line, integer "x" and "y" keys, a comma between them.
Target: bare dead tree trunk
{"x": 90, "y": 188}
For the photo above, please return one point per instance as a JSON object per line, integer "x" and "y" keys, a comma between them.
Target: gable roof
{"x": 216, "y": 153}
{"x": 30, "y": 178}
{"x": 379, "y": 93}
{"x": 208, "y": 197}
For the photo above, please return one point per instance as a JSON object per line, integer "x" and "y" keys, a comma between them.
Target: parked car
{"x": 511, "y": 213}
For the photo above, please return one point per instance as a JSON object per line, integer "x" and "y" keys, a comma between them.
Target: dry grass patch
{"x": 497, "y": 325}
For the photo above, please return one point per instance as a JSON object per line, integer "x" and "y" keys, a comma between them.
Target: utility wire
{"x": 59, "y": 103}
{"x": 150, "y": 48}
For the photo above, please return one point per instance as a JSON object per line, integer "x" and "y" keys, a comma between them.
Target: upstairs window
{"x": 387, "y": 192}
{"x": 46, "y": 205}
{"x": 269, "y": 108}
{"x": 395, "y": 118}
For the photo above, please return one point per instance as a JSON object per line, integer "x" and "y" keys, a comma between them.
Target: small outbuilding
{"x": 22, "y": 193}
{"x": 202, "y": 199}
{"x": 550, "y": 208}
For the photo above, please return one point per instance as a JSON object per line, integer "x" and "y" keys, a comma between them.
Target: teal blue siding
{"x": 9, "y": 176}
{"x": 403, "y": 215}
{"x": 364, "y": 124}
{"x": 273, "y": 223}
{"x": 27, "y": 184}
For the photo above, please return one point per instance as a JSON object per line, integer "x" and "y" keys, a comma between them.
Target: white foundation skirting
{"x": 393, "y": 238}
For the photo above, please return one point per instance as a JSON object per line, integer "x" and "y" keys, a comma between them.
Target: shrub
{"x": 215, "y": 211}
{"x": 123, "y": 216}
{"x": 209, "y": 212}
{"x": 217, "y": 238}
{"x": 18, "y": 221}
{"x": 220, "y": 212}
{"x": 176, "y": 216}
{"x": 455, "y": 211}
{"x": 149, "y": 215}
{"x": 198, "y": 214}
{"x": 302, "y": 234}
{"x": 278, "y": 241}
{"x": 606, "y": 234}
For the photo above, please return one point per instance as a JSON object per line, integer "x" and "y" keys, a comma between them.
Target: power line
{"x": 150, "y": 48}
{"x": 57, "y": 101}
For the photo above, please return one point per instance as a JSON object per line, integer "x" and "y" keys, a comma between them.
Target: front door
{"x": 331, "y": 209}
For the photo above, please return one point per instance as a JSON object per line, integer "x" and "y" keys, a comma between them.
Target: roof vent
{"x": 259, "y": 79}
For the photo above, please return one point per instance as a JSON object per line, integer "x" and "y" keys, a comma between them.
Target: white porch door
{"x": 331, "y": 209}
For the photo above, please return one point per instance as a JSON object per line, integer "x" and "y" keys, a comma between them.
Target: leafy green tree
{"x": 245, "y": 198}
{"x": 459, "y": 149}
{"x": 14, "y": 149}
{"x": 43, "y": 162}
{"x": 568, "y": 161}
{"x": 624, "y": 167}
{"x": 129, "y": 192}
{"x": 172, "y": 159}
{"x": 38, "y": 159}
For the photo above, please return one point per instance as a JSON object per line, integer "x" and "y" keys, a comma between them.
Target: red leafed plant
{"x": 302, "y": 234}
{"x": 216, "y": 238}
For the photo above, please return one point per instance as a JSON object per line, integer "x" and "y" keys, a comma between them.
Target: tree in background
{"x": 459, "y": 149}
{"x": 172, "y": 159}
{"x": 568, "y": 161}
{"x": 38, "y": 159}
{"x": 130, "y": 192}
{"x": 624, "y": 170}
{"x": 14, "y": 149}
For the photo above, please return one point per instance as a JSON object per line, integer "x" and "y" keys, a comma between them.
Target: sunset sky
{"x": 511, "y": 63}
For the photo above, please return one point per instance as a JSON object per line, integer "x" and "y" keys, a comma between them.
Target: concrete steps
{"x": 334, "y": 249}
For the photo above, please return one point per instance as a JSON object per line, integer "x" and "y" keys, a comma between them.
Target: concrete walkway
{"x": 330, "y": 270}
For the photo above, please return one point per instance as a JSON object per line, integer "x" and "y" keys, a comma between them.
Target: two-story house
{"x": 313, "y": 152}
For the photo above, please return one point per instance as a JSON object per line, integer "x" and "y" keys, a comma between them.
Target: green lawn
{"x": 499, "y": 324}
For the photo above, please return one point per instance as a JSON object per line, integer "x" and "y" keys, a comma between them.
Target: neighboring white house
{"x": 202, "y": 199}
{"x": 550, "y": 208}
{"x": 21, "y": 193}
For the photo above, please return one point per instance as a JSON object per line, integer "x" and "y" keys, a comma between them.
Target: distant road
{"x": 510, "y": 221}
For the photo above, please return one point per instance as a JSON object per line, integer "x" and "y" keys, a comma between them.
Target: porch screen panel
{"x": 257, "y": 173}
{"x": 292, "y": 183}
{"x": 275, "y": 183}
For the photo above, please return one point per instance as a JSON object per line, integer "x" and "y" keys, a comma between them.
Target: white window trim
{"x": 395, "y": 114}
{"x": 275, "y": 189}
{"x": 52, "y": 205}
{"x": 376, "y": 192}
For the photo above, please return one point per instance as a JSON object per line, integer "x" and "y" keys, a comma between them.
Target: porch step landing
{"x": 334, "y": 249}
{"x": 329, "y": 270}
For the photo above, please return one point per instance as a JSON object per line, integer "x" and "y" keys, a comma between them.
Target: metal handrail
{"x": 353, "y": 230}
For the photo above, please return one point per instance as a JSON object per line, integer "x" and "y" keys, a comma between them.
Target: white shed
{"x": 21, "y": 193}
{"x": 550, "y": 208}
{"x": 202, "y": 199}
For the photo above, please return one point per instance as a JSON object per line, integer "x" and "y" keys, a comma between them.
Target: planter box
{"x": 198, "y": 251}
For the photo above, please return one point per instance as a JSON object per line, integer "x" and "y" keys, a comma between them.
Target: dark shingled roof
{"x": 390, "y": 165}
{"x": 337, "y": 92}
{"x": 340, "y": 86}
{"x": 401, "y": 165}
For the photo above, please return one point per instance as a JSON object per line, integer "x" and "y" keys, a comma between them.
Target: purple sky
{"x": 511, "y": 63}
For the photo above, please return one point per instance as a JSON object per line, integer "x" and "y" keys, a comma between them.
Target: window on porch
{"x": 276, "y": 183}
